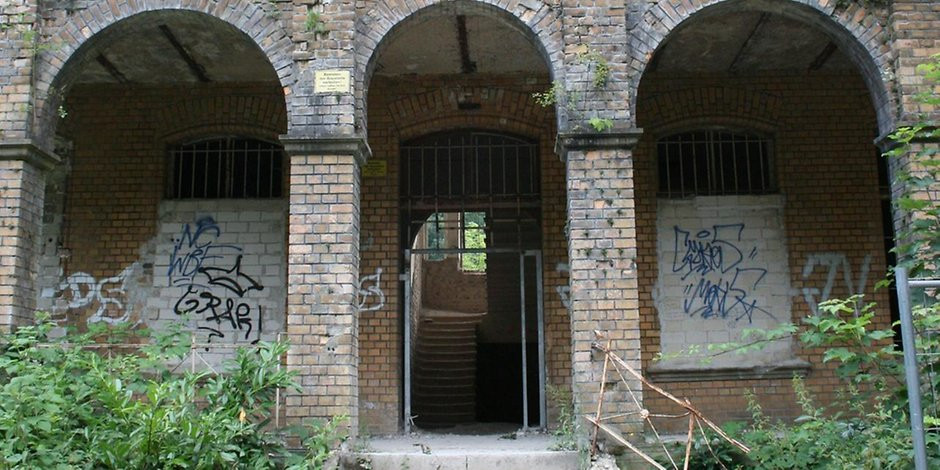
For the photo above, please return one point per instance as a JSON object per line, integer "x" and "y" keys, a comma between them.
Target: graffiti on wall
{"x": 369, "y": 293}
{"x": 82, "y": 291}
{"x": 216, "y": 290}
{"x": 718, "y": 272}
{"x": 833, "y": 264}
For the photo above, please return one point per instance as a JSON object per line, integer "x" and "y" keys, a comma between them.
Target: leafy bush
{"x": 64, "y": 404}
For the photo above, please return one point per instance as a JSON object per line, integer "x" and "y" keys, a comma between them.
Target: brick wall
{"x": 110, "y": 238}
{"x": 822, "y": 128}
{"x": 21, "y": 195}
{"x": 914, "y": 24}
{"x": 400, "y": 109}
{"x": 17, "y": 33}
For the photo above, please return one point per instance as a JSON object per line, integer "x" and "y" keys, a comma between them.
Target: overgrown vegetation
{"x": 557, "y": 94}
{"x": 565, "y": 431}
{"x": 68, "y": 403}
{"x": 868, "y": 427}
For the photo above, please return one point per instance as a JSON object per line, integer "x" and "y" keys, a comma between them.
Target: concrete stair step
{"x": 544, "y": 460}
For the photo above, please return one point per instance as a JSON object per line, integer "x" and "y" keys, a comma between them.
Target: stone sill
{"x": 785, "y": 370}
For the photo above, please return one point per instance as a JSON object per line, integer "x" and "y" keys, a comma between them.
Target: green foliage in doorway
{"x": 474, "y": 236}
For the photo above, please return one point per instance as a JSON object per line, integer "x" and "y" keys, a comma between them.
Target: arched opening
{"x": 172, "y": 182}
{"x": 462, "y": 156}
{"x": 760, "y": 193}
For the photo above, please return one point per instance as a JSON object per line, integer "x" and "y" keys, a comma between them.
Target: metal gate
{"x": 492, "y": 173}
{"x": 525, "y": 257}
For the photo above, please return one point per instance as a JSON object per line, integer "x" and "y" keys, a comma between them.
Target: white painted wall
{"x": 723, "y": 268}
{"x": 220, "y": 265}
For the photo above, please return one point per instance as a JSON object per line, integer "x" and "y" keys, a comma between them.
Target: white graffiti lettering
{"x": 370, "y": 292}
{"x": 834, "y": 262}
{"x": 81, "y": 290}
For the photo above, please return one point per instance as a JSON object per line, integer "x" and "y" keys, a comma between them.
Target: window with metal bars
{"x": 226, "y": 168}
{"x": 714, "y": 163}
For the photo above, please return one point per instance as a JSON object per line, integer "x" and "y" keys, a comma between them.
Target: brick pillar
{"x": 21, "y": 201}
{"x": 17, "y": 49}
{"x": 323, "y": 273}
{"x": 602, "y": 250}
{"x": 915, "y": 27}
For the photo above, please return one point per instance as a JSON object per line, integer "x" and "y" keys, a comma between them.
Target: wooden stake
{"x": 688, "y": 442}
{"x": 684, "y": 404}
{"x": 617, "y": 437}
{"x": 600, "y": 401}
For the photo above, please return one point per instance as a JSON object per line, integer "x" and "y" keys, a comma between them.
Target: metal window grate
{"x": 471, "y": 171}
{"x": 714, "y": 163}
{"x": 228, "y": 167}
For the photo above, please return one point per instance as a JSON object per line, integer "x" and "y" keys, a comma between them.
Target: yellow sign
{"x": 331, "y": 81}
{"x": 375, "y": 168}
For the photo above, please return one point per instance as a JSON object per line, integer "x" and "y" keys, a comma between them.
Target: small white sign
{"x": 331, "y": 81}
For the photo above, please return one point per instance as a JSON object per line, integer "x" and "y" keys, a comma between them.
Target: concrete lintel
{"x": 782, "y": 371}
{"x": 624, "y": 139}
{"x": 357, "y": 146}
{"x": 28, "y": 151}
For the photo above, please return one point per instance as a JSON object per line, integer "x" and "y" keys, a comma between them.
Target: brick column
{"x": 602, "y": 250}
{"x": 323, "y": 273}
{"x": 915, "y": 27}
{"x": 21, "y": 201}
{"x": 17, "y": 49}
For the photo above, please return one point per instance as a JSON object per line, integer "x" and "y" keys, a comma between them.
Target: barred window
{"x": 227, "y": 167}
{"x": 714, "y": 162}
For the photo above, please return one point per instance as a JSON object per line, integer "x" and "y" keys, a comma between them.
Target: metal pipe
{"x": 407, "y": 345}
{"x": 911, "y": 372}
{"x": 543, "y": 402}
{"x": 525, "y": 382}
{"x": 923, "y": 282}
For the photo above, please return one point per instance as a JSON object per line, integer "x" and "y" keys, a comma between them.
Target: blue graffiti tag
{"x": 193, "y": 248}
{"x": 719, "y": 284}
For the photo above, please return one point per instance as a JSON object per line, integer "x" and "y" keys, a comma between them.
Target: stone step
{"x": 431, "y": 451}
{"x": 482, "y": 460}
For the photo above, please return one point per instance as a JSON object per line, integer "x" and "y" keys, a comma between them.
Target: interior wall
{"x": 822, "y": 128}
{"x": 116, "y": 249}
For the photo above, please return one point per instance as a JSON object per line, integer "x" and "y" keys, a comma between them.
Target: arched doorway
{"x": 474, "y": 334}
{"x": 169, "y": 123}
{"x": 758, "y": 146}
{"x": 469, "y": 94}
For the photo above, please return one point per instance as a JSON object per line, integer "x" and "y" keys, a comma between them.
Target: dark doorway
{"x": 471, "y": 218}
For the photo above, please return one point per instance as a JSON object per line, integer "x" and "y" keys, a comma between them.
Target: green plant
{"x": 65, "y": 403}
{"x": 314, "y": 24}
{"x": 566, "y": 431}
{"x": 558, "y": 94}
{"x": 601, "y": 124}
{"x": 599, "y": 67}
{"x": 549, "y": 97}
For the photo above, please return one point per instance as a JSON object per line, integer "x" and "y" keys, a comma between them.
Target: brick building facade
{"x": 194, "y": 157}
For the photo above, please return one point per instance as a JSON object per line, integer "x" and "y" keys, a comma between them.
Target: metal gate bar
{"x": 537, "y": 256}
{"x": 911, "y": 370}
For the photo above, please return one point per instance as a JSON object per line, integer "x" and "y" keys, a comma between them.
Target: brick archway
{"x": 856, "y": 31}
{"x": 539, "y": 22}
{"x": 72, "y": 36}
